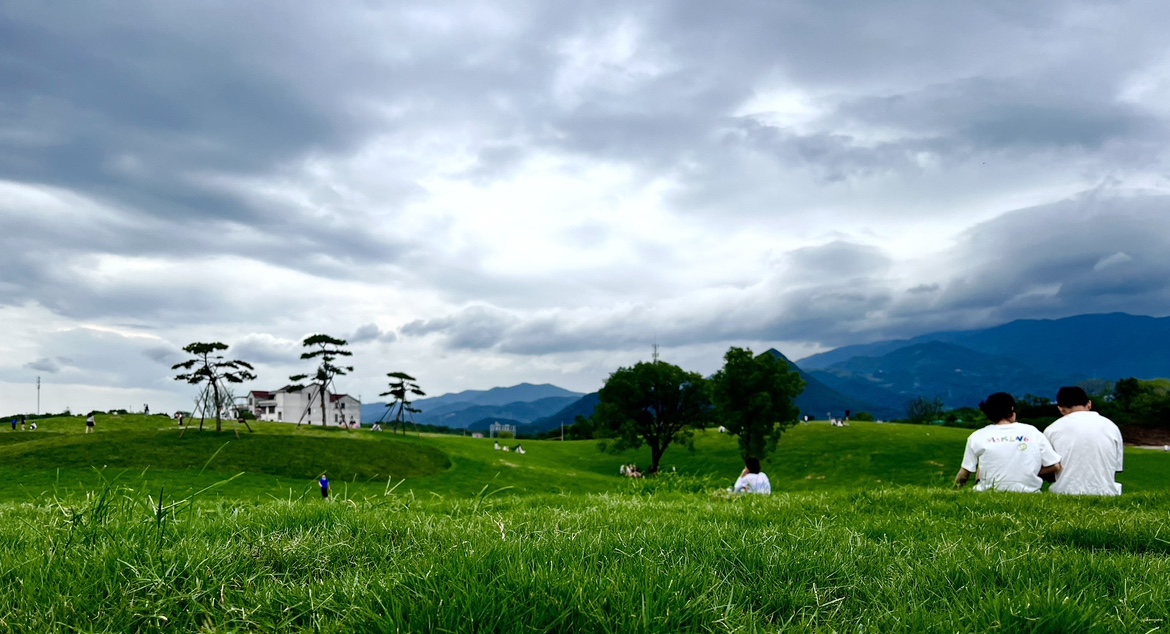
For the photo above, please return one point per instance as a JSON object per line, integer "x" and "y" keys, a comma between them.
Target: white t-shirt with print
{"x": 753, "y": 483}
{"x": 1092, "y": 451}
{"x": 1008, "y": 457}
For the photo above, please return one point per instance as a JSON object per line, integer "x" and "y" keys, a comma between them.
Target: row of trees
{"x": 209, "y": 367}
{"x": 658, "y": 404}
{"x": 1128, "y": 402}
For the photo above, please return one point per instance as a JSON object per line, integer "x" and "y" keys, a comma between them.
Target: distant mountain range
{"x": 960, "y": 367}
{"x": 524, "y": 402}
{"x": 1033, "y": 356}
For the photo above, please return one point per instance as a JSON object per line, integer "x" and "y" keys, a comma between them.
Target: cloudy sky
{"x": 483, "y": 194}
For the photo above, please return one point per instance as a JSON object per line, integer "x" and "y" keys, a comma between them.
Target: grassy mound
{"x": 155, "y": 443}
{"x": 280, "y": 458}
{"x": 287, "y": 456}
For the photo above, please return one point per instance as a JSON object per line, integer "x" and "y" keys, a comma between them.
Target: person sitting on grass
{"x": 752, "y": 479}
{"x": 1007, "y": 455}
{"x": 630, "y": 471}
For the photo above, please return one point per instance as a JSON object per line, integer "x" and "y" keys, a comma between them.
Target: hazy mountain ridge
{"x": 1109, "y": 345}
{"x": 520, "y": 411}
{"x": 960, "y": 367}
{"x": 1026, "y": 356}
{"x": 507, "y": 399}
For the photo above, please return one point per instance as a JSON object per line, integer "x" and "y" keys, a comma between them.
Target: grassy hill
{"x": 280, "y": 460}
{"x": 136, "y": 529}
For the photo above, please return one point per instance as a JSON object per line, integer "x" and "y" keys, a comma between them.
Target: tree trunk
{"x": 324, "y": 398}
{"x": 215, "y": 400}
{"x": 655, "y": 457}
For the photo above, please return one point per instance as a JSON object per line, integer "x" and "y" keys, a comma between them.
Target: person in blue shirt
{"x": 324, "y": 486}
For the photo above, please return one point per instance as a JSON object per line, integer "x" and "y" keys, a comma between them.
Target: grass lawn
{"x": 133, "y": 528}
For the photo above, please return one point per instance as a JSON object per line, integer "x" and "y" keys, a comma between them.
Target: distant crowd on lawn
{"x": 1080, "y": 454}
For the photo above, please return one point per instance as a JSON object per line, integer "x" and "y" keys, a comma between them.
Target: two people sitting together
{"x": 1081, "y": 453}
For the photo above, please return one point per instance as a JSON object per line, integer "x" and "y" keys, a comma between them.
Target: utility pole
{"x": 38, "y": 396}
{"x": 655, "y": 355}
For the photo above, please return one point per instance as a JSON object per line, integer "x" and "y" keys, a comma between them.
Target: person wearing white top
{"x": 752, "y": 480}
{"x": 1007, "y": 455}
{"x": 1091, "y": 445}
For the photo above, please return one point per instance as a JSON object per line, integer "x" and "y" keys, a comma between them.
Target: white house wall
{"x": 288, "y": 407}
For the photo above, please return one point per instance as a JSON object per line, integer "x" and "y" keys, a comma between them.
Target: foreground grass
{"x": 647, "y": 560}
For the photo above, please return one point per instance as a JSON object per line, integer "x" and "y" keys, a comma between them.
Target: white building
{"x": 291, "y": 406}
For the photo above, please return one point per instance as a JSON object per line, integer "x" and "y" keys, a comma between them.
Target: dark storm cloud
{"x": 177, "y": 122}
{"x": 1097, "y": 252}
{"x": 1025, "y": 113}
{"x": 163, "y": 354}
{"x": 94, "y": 357}
{"x": 44, "y": 365}
{"x": 473, "y": 328}
{"x": 262, "y": 348}
{"x": 371, "y": 332}
{"x": 811, "y": 293}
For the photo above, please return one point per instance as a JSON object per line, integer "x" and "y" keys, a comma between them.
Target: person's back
{"x": 1092, "y": 451}
{"x": 752, "y": 480}
{"x": 754, "y": 483}
{"x": 1007, "y": 455}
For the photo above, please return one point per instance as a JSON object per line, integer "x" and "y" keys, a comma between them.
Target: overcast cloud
{"x": 487, "y": 193}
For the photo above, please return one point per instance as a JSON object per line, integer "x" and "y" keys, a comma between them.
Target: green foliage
{"x": 403, "y": 390}
{"x": 864, "y": 417}
{"x": 207, "y": 365}
{"x": 965, "y": 417}
{"x": 505, "y": 435}
{"x": 581, "y": 429}
{"x": 326, "y": 349}
{"x": 754, "y": 399}
{"x": 653, "y": 403}
{"x": 924, "y": 411}
{"x": 1136, "y": 402}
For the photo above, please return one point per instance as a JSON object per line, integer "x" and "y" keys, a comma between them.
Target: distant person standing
{"x": 15, "y": 420}
{"x": 752, "y": 479}
{"x": 22, "y": 422}
{"x": 90, "y": 423}
{"x": 1091, "y": 446}
{"x": 1006, "y": 455}
{"x": 324, "y": 482}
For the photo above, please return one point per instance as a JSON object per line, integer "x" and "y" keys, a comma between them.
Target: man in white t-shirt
{"x": 752, "y": 480}
{"x": 1091, "y": 445}
{"x": 1007, "y": 455}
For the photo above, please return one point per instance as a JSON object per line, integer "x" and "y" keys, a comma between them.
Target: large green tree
{"x": 1136, "y": 402}
{"x": 924, "y": 411}
{"x": 403, "y": 390}
{"x": 653, "y": 403}
{"x": 754, "y": 399}
{"x": 326, "y": 350}
{"x": 208, "y": 366}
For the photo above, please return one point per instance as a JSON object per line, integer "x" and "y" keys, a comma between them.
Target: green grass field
{"x": 133, "y": 528}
